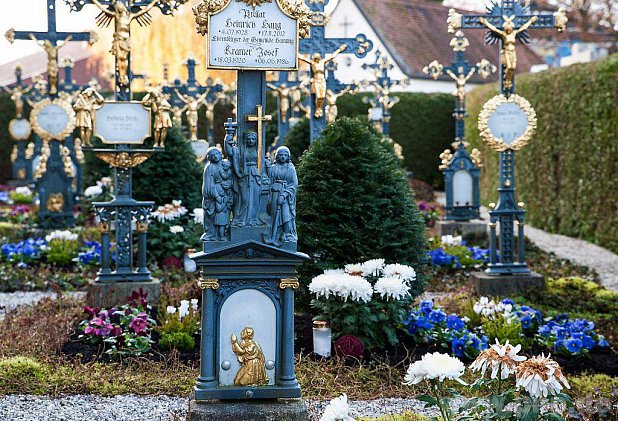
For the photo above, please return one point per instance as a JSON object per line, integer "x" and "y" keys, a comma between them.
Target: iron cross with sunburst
{"x": 254, "y": 3}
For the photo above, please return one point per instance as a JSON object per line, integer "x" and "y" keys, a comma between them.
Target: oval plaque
{"x": 52, "y": 119}
{"x": 20, "y": 128}
{"x": 200, "y": 147}
{"x": 507, "y": 123}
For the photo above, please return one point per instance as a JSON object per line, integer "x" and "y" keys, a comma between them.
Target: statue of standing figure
{"x": 216, "y": 195}
{"x": 85, "y": 106}
{"x": 243, "y": 155}
{"x": 282, "y": 200}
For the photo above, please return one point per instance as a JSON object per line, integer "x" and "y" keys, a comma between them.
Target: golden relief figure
{"x": 55, "y": 202}
{"x": 17, "y": 93}
{"x": 210, "y": 111}
{"x": 460, "y": 80}
{"x": 85, "y": 105}
{"x": 52, "y": 61}
{"x": 252, "y": 370}
{"x": 157, "y": 103}
{"x": 508, "y": 56}
{"x": 193, "y": 105}
{"x": 318, "y": 77}
{"x": 283, "y": 93}
{"x": 331, "y": 104}
{"x": 121, "y": 45}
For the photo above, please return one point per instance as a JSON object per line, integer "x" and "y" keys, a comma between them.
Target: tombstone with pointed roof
{"x": 249, "y": 258}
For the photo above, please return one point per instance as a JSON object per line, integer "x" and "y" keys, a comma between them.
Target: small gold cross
{"x": 259, "y": 118}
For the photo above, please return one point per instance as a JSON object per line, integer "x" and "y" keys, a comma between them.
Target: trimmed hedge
{"x": 567, "y": 174}
{"x": 421, "y": 123}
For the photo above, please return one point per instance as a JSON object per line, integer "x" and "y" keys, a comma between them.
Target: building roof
{"x": 415, "y": 33}
{"x": 86, "y": 65}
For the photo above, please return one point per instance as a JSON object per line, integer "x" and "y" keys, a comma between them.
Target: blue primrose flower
{"x": 526, "y": 322}
{"x": 458, "y": 347}
{"x": 587, "y": 342}
{"x": 437, "y": 316}
{"x": 573, "y": 345}
{"x": 454, "y": 323}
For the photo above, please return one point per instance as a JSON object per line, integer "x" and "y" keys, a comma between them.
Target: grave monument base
{"x": 471, "y": 231}
{"x": 506, "y": 285}
{"x": 257, "y": 410}
{"x": 110, "y": 294}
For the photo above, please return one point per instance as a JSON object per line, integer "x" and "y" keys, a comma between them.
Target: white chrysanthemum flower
{"x": 183, "y": 309}
{"x": 341, "y": 285}
{"x": 169, "y": 211}
{"x": 372, "y": 267}
{"x": 501, "y": 359}
{"x": 435, "y": 366}
{"x": 396, "y": 270}
{"x": 93, "y": 191}
{"x": 176, "y": 229}
{"x": 355, "y": 269}
{"x": 337, "y": 410}
{"x": 323, "y": 285}
{"x": 198, "y": 215}
{"x": 449, "y": 240}
{"x": 394, "y": 288}
{"x": 65, "y": 235}
{"x": 170, "y": 309}
{"x": 540, "y": 376}
{"x": 334, "y": 271}
{"x": 355, "y": 287}
{"x": 194, "y": 304}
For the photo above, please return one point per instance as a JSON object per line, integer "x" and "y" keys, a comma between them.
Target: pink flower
{"x": 91, "y": 311}
{"x": 98, "y": 327}
{"x": 139, "y": 325}
{"x": 116, "y": 331}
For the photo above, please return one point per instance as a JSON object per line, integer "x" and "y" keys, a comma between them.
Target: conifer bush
{"x": 297, "y": 139}
{"x": 354, "y": 203}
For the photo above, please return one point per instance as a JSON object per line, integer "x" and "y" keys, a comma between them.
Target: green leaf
{"x": 429, "y": 400}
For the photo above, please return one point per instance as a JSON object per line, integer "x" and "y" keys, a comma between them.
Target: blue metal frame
{"x": 21, "y": 162}
{"x": 381, "y": 67}
{"x": 318, "y": 43}
{"x": 123, "y": 210}
{"x": 247, "y": 265}
{"x": 507, "y": 211}
{"x": 461, "y": 161}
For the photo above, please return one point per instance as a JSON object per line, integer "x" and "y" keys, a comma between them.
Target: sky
{"x": 30, "y": 15}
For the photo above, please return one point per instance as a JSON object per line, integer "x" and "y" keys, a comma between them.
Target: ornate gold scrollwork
{"x": 208, "y": 283}
{"x": 141, "y": 226}
{"x": 453, "y": 21}
{"x": 446, "y": 158}
{"x": 41, "y": 169}
{"x": 123, "y": 159}
{"x": 21, "y": 174}
{"x": 434, "y": 69}
{"x": 55, "y": 202}
{"x": 497, "y": 143}
{"x": 206, "y": 8}
{"x": 475, "y": 155}
{"x": 14, "y": 154}
{"x": 30, "y": 150}
{"x": 69, "y": 168}
{"x": 289, "y": 283}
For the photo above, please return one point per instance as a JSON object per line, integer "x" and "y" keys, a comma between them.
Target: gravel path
{"x": 160, "y": 408}
{"x": 12, "y": 300}
{"x": 580, "y": 252}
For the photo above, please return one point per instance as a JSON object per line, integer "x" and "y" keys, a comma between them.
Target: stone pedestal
{"x": 109, "y": 294}
{"x": 259, "y": 410}
{"x": 471, "y": 231}
{"x": 506, "y": 285}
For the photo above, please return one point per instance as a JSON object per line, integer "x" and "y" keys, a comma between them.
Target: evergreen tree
{"x": 297, "y": 139}
{"x": 354, "y": 203}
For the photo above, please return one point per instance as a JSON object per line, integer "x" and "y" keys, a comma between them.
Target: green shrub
{"x": 421, "y": 123}
{"x": 297, "y": 139}
{"x": 575, "y": 146}
{"x": 354, "y": 203}
{"x": 177, "y": 340}
{"x": 62, "y": 252}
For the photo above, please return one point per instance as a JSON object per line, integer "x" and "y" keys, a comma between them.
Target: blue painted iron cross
{"x": 321, "y": 50}
{"x": 383, "y": 84}
{"x": 22, "y": 168}
{"x": 507, "y": 23}
{"x": 283, "y": 88}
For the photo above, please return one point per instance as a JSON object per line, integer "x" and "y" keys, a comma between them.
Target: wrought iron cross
{"x": 123, "y": 13}
{"x": 460, "y": 71}
{"x": 259, "y": 118}
{"x": 50, "y": 40}
{"x": 284, "y": 87}
{"x": 383, "y": 84}
{"x": 318, "y": 46}
{"x": 507, "y": 23}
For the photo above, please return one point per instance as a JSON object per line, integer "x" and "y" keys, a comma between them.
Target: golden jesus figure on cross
{"x": 508, "y": 56}
{"x": 121, "y": 46}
